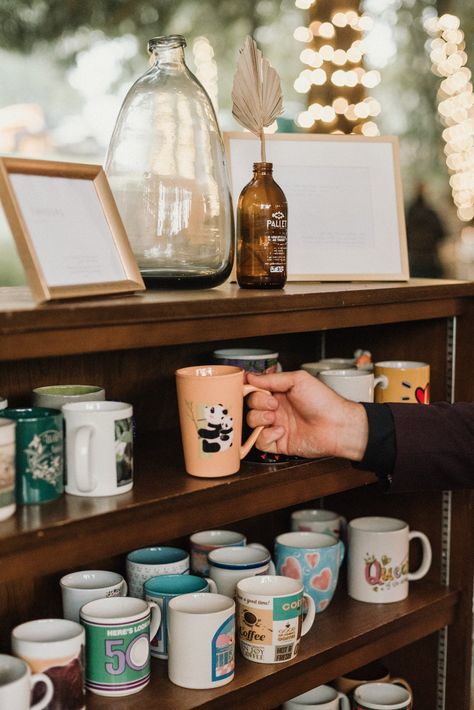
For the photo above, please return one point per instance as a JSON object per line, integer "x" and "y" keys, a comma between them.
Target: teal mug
{"x": 314, "y": 559}
{"x": 39, "y": 453}
{"x": 118, "y": 633}
{"x": 161, "y": 590}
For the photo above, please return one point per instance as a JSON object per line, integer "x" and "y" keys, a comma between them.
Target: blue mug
{"x": 161, "y": 590}
{"x": 314, "y": 559}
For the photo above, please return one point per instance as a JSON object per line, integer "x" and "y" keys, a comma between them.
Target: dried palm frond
{"x": 256, "y": 93}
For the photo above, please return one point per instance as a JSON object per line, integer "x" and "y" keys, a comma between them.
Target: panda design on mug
{"x": 217, "y": 435}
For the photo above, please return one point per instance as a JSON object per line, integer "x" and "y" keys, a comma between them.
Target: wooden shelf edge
{"x": 159, "y": 509}
{"x": 348, "y": 635}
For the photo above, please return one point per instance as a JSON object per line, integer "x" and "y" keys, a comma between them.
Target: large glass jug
{"x": 166, "y": 167}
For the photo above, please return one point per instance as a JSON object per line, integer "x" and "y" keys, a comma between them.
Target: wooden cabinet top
{"x": 157, "y": 318}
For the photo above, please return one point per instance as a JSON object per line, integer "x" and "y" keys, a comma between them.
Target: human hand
{"x": 304, "y": 417}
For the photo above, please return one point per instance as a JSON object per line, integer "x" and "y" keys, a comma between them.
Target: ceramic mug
{"x": 161, "y": 590}
{"x": 3, "y": 402}
{"x": 78, "y": 588}
{"x": 270, "y": 617}
{"x": 201, "y": 637}
{"x": 147, "y": 562}
{"x": 39, "y": 456}
{"x": 55, "y": 647}
{"x": 407, "y": 381}
{"x": 228, "y": 565}
{"x": 210, "y": 402}
{"x": 371, "y": 673}
{"x": 118, "y": 632}
{"x": 55, "y": 396}
{"x": 7, "y": 468}
{"x": 317, "y": 520}
{"x": 314, "y": 559}
{"x": 382, "y": 696}
{"x": 356, "y": 385}
{"x": 249, "y": 359}
{"x": 18, "y": 685}
{"x": 99, "y": 448}
{"x": 204, "y": 541}
{"x": 321, "y": 698}
{"x": 378, "y": 559}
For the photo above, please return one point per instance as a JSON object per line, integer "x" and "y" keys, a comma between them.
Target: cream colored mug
{"x": 406, "y": 381}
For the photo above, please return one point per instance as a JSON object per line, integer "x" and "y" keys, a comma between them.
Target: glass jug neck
{"x": 262, "y": 169}
{"x": 168, "y": 50}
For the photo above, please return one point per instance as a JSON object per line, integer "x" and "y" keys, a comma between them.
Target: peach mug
{"x": 210, "y": 402}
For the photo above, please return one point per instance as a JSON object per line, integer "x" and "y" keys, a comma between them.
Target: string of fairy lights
{"x": 455, "y": 108}
{"x": 333, "y": 76}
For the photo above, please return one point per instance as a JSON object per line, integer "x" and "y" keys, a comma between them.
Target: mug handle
{"x": 403, "y": 682}
{"x": 82, "y": 443}
{"x": 123, "y": 589}
{"x": 259, "y": 546}
{"x": 310, "y": 615}
{"x": 42, "y": 678}
{"x": 212, "y": 585}
{"x": 245, "y": 448}
{"x": 155, "y": 619}
{"x": 344, "y": 703}
{"x": 381, "y": 381}
{"x": 427, "y": 555}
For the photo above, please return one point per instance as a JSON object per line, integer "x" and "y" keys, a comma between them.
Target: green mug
{"x": 39, "y": 453}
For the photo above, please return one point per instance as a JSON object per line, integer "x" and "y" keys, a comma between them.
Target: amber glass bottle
{"x": 262, "y": 219}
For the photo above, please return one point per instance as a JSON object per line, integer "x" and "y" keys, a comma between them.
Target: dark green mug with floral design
{"x": 39, "y": 453}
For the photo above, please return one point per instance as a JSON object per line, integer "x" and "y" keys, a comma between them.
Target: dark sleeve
{"x": 434, "y": 446}
{"x": 380, "y": 453}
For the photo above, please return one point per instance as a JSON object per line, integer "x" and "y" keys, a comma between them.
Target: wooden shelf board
{"x": 347, "y": 635}
{"x": 165, "y": 503}
{"x": 157, "y": 318}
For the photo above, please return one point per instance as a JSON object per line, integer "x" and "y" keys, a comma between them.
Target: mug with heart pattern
{"x": 314, "y": 559}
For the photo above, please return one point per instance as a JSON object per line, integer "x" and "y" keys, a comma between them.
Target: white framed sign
{"x": 345, "y": 203}
{"x": 67, "y": 229}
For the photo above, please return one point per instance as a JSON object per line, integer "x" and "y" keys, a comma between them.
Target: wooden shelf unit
{"x": 132, "y": 345}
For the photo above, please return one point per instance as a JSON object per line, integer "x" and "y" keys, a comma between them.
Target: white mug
{"x": 378, "y": 559}
{"x": 382, "y": 696}
{"x": 204, "y": 541}
{"x": 54, "y": 647}
{"x": 321, "y": 698}
{"x": 228, "y": 565}
{"x": 148, "y": 562}
{"x": 317, "y": 520}
{"x": 17, "y": 684}
{"x": 270, "y": 610}
{"x": 99, "y": 448}
{"x": 357, "y": 385}
{"x": 201, "y": 637}
{"x": 78, "y": 588}
{"x": 7, "y": 468}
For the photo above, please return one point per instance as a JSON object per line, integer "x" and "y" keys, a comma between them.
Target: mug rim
{"x": 62, "y": 390}
{"x": 20, "y": 632}
{"x": 234, "y": 551}
{"x": 331, "y": 540}
{"x": 249, "y": 585}
{"x": 73, "y": 586}
{"x": 397, "y": 525}
{"x": 346, "y": 372}
{"x": 168, "y": 579}
{"x": 245, "y": 354}
{"x": 401, "y": 364}
{"x": 183, "y": 603}
{"x": 17, "y": 666}
{"x": 373, "y": 704}
{"x": 314, "y": 515}
{"x": 201, "y": 372}
{"x": 166, "y": 549}
{"x": 310, "y": 698}
{"x": 215, "y": 533}
{"x": 104, "y": 406}
{"x": 29, "y": 414}
{"x": 114, "y": 612}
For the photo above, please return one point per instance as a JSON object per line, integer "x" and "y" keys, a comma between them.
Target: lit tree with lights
{"x": 334, "y": 78}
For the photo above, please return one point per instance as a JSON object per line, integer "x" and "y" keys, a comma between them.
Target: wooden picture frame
{"x": 67, "y": 228}
{"x": 346, "y": 219}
